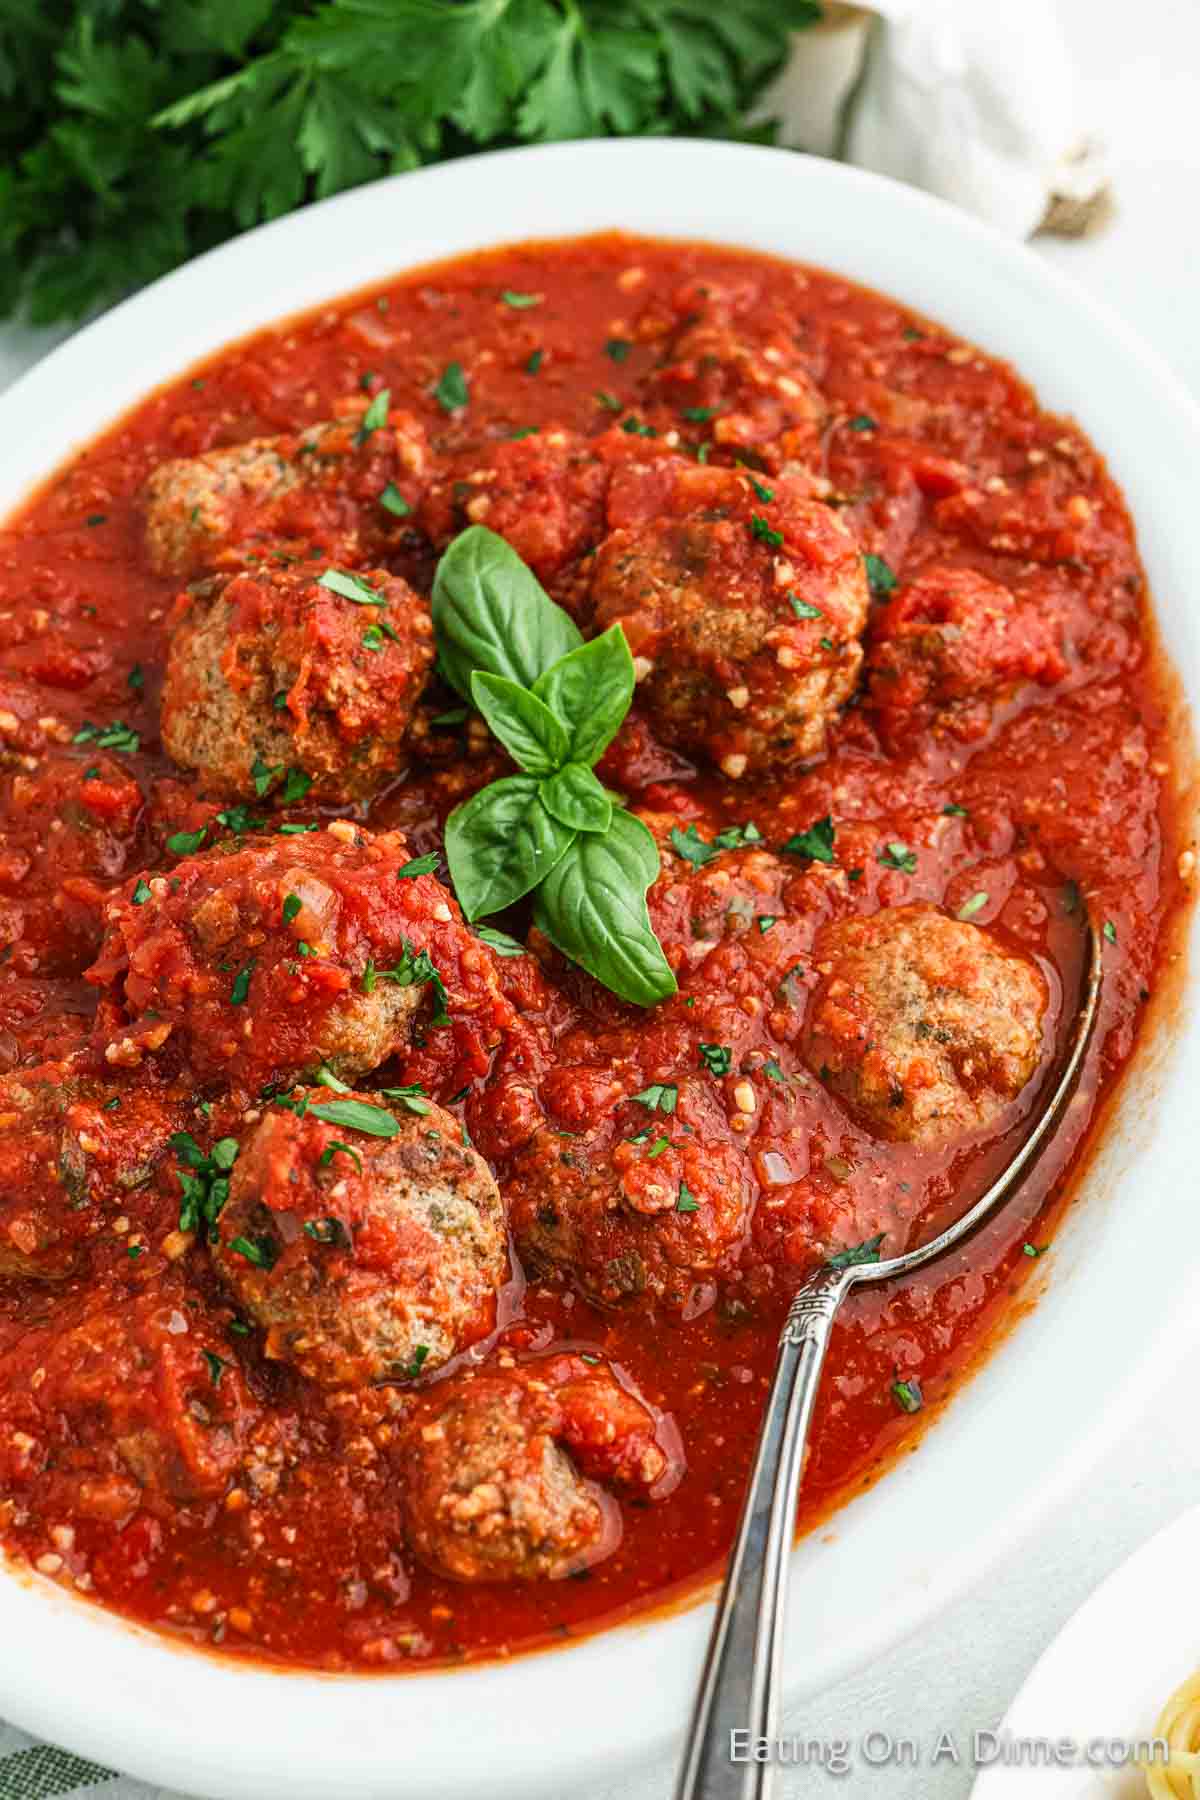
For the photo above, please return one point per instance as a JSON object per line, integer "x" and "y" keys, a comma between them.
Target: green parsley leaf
{"x": 375, "y": 417}
{"x": 141, "y": 892}
{"x": 520, "y": 301}
{"x": 975, "y": 904}
{"x": 350, "y": 587}
{"x": 217, "y": 1366}
{"x": 816, "y": 844}
{"x": 533, "y": 361}
{"x": 617, "y": 349}
{"x": 241, "y": 984}
{"x": 186, "y": 843}
{"x": 420, "y": 865}
{"x": 866, "y": 1252}
{"x": 687, "y": 1201}
{"x": 393, "y": 501}
{"x": 1110, "y": 931}
{"x": 1034, "y": 1250}
{"x": 291, "y": 906}
{"x": 802, "y": 608}
{"x": 717, "y": 1058}
{"x": 907, "y": 1395}
{"x": 759, "y": 528}
{"x": 452, "y": 392}
{"x": 880, "y": 576}
{"x": 898, "y": 856}
{"x": 660, "y": 1096}
{"x": 263, "y": 1252}
{"x": 863, "y": 422}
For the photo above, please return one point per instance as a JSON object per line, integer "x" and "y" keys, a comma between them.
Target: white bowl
{"x": 1104, "y": 1681}
{"x": 1038, "y": 1413}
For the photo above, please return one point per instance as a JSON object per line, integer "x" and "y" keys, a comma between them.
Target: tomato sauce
{"x": 1056, "y": 798}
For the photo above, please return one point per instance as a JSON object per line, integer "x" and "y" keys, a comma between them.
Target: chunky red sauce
{"x": 284, "y": 1535}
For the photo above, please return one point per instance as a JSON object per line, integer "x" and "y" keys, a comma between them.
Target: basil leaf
{"x": 593, "y": 907}
{"x": 576, "y": 798}
{"x": 501, "y": 843}
{"x": 525, "y": 725}
{"x": 490, "y": 612}
{"x": 590, "y": 690}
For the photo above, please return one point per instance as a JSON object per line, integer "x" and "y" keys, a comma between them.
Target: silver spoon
{"x": 739, "y": 1688}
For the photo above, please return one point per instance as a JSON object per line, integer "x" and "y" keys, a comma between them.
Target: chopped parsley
{"x": 415, "y": 969}
{"x": 136, "y": 678}
{"x": 241, "y": 983}
{"x": 609, "y": 402}
{"x": 350, "y": 587}
{"x": 141, "y": 892}
{"x": 420, "y": 865}
{"x": 326, "y": 1157}
{"x": 393, "y": 501}
{"x": 881, "y": 577}
{"x": 216, "y": 1366}
{"x": 765, "y": 533}
{"x": 975, "y": 904}
{"x": 203, "y": 1180}
{"x": 816, "y": 843}
{"x": 660, "y": 1096}
{"x": 375, "y": 417}
{"x": 907, "y": 1395}
{"x": 772, "y": 1070}
{"x": 698, "y": 415}
{"x": 636, "y": 428}
{"x": 291, "y": 906}
{"x": 802, "y": 609}
{"x": 419, "y": 1358}
{"x": 186, "y": 843}
{"x": 261, "y": 1251}
{"x": 952, "y": 810}
{"x": 1034, "y": 1249}
{"x": 717, "y": 1058}
{"x": 617, "y": 349}
{"x": 117, "y": 736}
{"x": 295, "y": 787}
{"x": 765, "y": 494}
{"x": 1110, "y": 931}
{"x": 766, "y": 921}
{"x": 687, "y": 1201}
{"x": 898, "y": 856}
{"x": 239, "y": 819}
{"x": 866, "y": 1252}
{"x": 697, "y": 850}
{"x": 863, "y": 422}
{"x": 452, "y": 392}
{"x": 534, "y": 361}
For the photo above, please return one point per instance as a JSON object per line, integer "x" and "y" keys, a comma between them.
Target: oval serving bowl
{"x": 1007, "y": 1449}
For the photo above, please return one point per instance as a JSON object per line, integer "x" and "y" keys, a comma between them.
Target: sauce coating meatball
{"x": 72, "y": 1150}
{"x": 744, "y": 602}
{"x": 365, "y": 1258}
{"x": 948, "y": 648}
{"x": 543, "y": 493}
{"x": 275, "y": 673}
{"x": 501, "y": 1484}
{"x": 643, "y": 1204}
{"x": 317, "y": 489}
{"x": 265, "y": 957}
{"x": 924, "y": 1025}
{"x": 743, "y": 390}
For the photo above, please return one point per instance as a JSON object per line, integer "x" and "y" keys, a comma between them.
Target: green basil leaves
{"x": 553, "y": 831}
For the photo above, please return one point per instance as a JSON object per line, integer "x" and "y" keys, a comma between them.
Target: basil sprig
{"x": 553, "y": 831}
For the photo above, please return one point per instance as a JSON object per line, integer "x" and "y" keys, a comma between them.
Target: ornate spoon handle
{"x": 739, "y": 1687}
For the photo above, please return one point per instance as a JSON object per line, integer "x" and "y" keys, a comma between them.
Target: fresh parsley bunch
{"x": 136, "y": 133}
{"x": 553, "y": 831}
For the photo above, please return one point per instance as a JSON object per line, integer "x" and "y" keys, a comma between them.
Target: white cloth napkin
{"x": 974, "y": 100}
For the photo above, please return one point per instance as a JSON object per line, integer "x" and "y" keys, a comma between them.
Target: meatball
{"x": 543, "y": 493}
{"x": 72, "y": 1147}
{"x": 365, "y": 1258}
{"x": 262, "y": 958}
{"x": 948, "y": 648}
{"x": 159, "y": 1410}
{"x": 295, "y": 673}
{"x": 70, "y": 825}
{"x": 924, "y": 1025}
{"x": 743, "y": 603}
{"x": 642, "y": 1205}
{"x": 320, "y": 487}
{"x": 743, "y": 387}
{"x": 501, "y": 1483}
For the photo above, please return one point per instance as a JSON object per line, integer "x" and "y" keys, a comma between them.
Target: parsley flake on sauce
{"x": 186, "y": 843}
{"x": 452, "y": 392}
{"x": 241, "y": 984}
{"x": 375, "y": 417}
{"x": 816, "y": 843}
{"x": 141, "y": 892}
{"x": 898, "y": 856}
{"x": 617, "y": 349}
{"x": 687, "y": 1201}
{"x": 765, "y": 533}
{"x": 866, "y": 1252}
{"x": 975, "y": 904}
{"x": 717, "y": 1058}
{"x": 660, "y": 1096}
{"x": 350, "y": 587}
{"x": 881, "y": 577}
{"x": 393, "y": 501}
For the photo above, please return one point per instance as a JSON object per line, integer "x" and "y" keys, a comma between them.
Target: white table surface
{"x": 1141, "y": 69}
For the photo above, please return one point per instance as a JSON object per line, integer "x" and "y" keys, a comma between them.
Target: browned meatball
{"x": 743, "y": 602}
{"x": 949, "y": 647}
{"x": 501, "y": 1482}
{"x": 925, "y": 1025}
{"x": 264, "y": 957}
{"x": 644, "y": 1205}
{"x": 321, "y": 488}
{"x": 543, "y": 493}
{"x": 73, "y": 1147}
{"x": 295, "y": 676}
{"x": 158, "y": 1409}
{"x": 742, "y": 386}
{"x": 365, "y": 1257}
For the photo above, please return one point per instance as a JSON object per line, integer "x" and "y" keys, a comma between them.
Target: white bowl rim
{"x": 130, "y": 1698}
